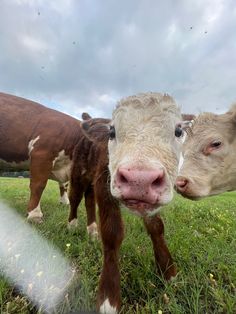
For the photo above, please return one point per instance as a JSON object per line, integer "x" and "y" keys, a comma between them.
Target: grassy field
{"x": 201, "y": 237}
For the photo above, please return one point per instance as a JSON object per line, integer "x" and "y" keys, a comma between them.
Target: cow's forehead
{"x": 207, "y": 126}
{"x": 149, "y": 104}
{"x": 202, "y": 124}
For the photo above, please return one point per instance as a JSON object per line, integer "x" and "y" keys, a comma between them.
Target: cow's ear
{"x": 187, "y": 121}
{"x": 97, "y": 130}
{"x": 86, "y": 116}
{"x": 232, "y": 113}
{"x": 184, "y": 124}
{"x": 182, "y": 129}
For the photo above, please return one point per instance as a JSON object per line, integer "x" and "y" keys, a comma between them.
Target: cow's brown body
{"x": 87, "y": 159}
{"x": 37, "y": 138}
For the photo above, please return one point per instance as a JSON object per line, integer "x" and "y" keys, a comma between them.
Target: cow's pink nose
{"x": 145, "y": 185}
{"x": 181, "y": 184}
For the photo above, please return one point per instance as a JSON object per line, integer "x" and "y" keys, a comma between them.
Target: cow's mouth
{"x": 190, "y": 197}
{"x": 139, "y": 207}
{"x": 187, "y": 194}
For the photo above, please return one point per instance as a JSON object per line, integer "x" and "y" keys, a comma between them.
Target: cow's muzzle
{"x": 141, "y": 189}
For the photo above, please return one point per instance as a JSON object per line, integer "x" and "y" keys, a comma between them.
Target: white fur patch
{"x": 184, "y": 136}
{"x": 172, "y": 278}
{"x": 59, "y": 158}
{"x": 31, "y": 144}
{"x": 83, "y": 171}
{"x": 61, "y": 167}
{"x": 73, "y": 224}
{"x": 93, "y": 230}
{"x": 64, "y": 199}
{"x": 181, "y": 161}
{"x": 106, "y": 308}
{"x": 154, "y": 212}
{"x": 35, "y": 214}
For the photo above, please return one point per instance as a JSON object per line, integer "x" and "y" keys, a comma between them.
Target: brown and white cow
{"x": 135, "y": 158}
{"x": 40, "y": 139}
{"x": 87, "y": 157}
{"x": 209, "y": 156}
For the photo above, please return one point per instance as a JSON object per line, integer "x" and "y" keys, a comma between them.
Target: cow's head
{"x": 144, "y": 149}
{"x": 209, "y": 158}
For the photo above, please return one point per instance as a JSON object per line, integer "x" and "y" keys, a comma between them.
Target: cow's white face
{"x": 209, "y": 157}
{"x": 144, "y": 151}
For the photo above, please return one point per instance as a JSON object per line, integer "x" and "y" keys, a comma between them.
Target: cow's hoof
{"x": 94, "y": 236}
{"x": 170, "y": 274}
{"x": 73, "y": 224}
{"x": 172, "y": 279}
{"x": 93, "y": 231}
{"x": 35, "y": 215}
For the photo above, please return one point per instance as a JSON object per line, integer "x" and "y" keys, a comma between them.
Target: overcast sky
{"x": 84, "y": 55}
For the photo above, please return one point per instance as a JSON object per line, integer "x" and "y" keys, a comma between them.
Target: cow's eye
{"x": 216, "y": 144}
{"x": 178, "y": 131}
{"x": 213, "y": 146}
{"x": 112, "y": 132}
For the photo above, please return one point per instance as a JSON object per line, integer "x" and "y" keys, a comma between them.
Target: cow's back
{"x": 24, "y": 122}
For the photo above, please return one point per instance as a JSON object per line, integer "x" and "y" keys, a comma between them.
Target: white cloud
{"x": 60, "y": 6}
{"x": 34, "y": 44}
{"x": 213, "y": 11}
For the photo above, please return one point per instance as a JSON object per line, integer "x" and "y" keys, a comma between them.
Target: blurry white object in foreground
{"x": 31, "y": 263}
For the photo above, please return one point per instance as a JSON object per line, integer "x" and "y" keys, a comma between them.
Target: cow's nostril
{"x": 123, "y": 179}
{"x": 159, "y": 180}
{"x": 182, "y": 183}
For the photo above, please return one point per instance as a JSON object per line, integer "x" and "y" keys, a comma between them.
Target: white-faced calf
{"x": 133, "y": 159}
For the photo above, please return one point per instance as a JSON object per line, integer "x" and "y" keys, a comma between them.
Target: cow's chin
{"x": 191, "y": 197}
{"x": 194, "y": 196}
{"x": 141, "y": 208}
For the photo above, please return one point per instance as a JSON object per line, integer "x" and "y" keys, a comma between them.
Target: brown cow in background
{"x": 40, "y": 139}
{"x": 86, "y": 158}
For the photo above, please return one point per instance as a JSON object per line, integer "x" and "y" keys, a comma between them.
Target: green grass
{"x": 201, "y": 237}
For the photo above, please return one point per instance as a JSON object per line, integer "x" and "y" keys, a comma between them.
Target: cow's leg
{"x": 63, "y": 193}
{"x": 75, "y": 196}
{"x": 91, "y": 212}
{"x": 111, "y": 227}
{"x": 155, "y": 229}
{"x": 40, "y": 168}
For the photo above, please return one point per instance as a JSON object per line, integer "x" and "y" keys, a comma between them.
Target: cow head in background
{"x": 209, "y": 158}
